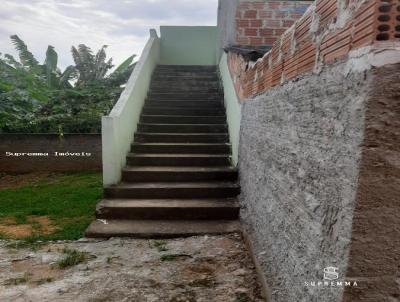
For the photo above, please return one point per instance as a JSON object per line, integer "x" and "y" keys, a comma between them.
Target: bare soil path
{"x": 195, "y": 269}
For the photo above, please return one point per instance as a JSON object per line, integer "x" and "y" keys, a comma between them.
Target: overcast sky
{"x": 123, "y": 25}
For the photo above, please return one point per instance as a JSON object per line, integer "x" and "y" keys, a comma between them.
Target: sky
{"x": 123, "y": 25}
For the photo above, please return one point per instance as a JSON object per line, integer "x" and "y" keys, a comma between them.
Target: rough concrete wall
{"x": 75, "y": 144}
{"x": 375, "y": 247}
{"x": 226, "y": 24}
{"x": 300, "y": 148}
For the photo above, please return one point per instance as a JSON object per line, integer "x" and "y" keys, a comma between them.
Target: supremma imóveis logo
{"x": 331, "y": 279}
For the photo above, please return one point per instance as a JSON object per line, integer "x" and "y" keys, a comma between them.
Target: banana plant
{"x": 49, "y": 71}
{"x": 92, "y": 68}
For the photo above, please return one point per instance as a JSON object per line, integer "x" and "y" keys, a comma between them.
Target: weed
{"x": 109, "y": 259}
{"x": 169, "y": 257}
{"x": 44, "y": 280}
{"x": 242, "y": 297}
{"x": 28, "y": 243}
{"x": 72, "y": 257}
{"x": 18, "y": 280}
{"x": 160, "y": 245}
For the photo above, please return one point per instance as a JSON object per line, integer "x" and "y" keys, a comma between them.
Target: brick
{"x": 242, "y": 23}
{"x": 243, "y": 41}
{"x": 269, "y": 40}
{"x": 288, "y": 23}
{"x": 251, "y": 32}
{"x": 250, "y": 14}
{"x": 258, "y": 5}
{"x": 266, "y": 32}
{"x": 255, "y": 23}
{"x": 272, "y": 23}
{"x": 244, "y": 5}
{"x": 279, "y": 31}
{"x": 256, "y": 41}
{"x": 274, "y": 4}
{"x": 265, "y": 14}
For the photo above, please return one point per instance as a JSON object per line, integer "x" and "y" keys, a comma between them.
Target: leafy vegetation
{"x": 68, "y": 201}
{"x": 38, "y": 97}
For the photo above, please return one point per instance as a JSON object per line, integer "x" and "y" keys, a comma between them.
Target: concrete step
{"x": 185, "y": 82}
{"x": 197, "y": 68}
{"x": 186, "y": 96}
{"x": 178, "y": 160}
{"x": 184, "y": 104}
{"x": 160, "y": 228}
{"x": 160, "y": 190}
{"x": 174, "y": 173}
{"x": 152, "y": 110}
{"x": 182, "y": 128}
{"x": 173, "y": 119}
{"x": 142, "y": 137}
{"x": 184, "y": 89}
{"x": 168, "y": 209}
{"x": 179, "y": 148}
{"x": 177, "y": 77}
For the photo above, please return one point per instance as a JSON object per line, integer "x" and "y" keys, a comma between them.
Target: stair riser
{"x": 185, "y": 96}
{"x": 178, "y": 161}
{"x": 177, "y": 72}
{"x": 182, "y": 111}
{"x": 182, "y": 149}
{"x": 164, "y": 176}
{"x": 173, "y": 79}
{"x": 181, "y": 82}
{"x": 160, "y": 193}
{"x": 185, "y": 89}
{"x": 186, "y": 104}
{"x": 166, "y": 213}
{"x": 144, "y": 138}
{"x": 183, "y": 119}
{"x": 182, "y": 128}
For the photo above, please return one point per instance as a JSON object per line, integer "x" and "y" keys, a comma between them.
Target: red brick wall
{"x": 317, "y": 38}
{"x": 262, "y": 22}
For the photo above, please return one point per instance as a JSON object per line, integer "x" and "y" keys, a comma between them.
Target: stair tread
{"x": 182, "y": 144}
{"x": 176, "y": 155}
{"x": 161, "y": 228}
{"x": 181, "y": 125}
{"x": 169, "y": 203}
{"x": 180, "y": 169}
{"x": 182, "y": 134}
{"x": 177, "y": 185}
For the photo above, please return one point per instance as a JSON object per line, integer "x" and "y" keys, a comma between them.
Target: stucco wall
{"x": 300, "y": 149}
{"x": 188, "y": 45}
{"x": 74, "y": 144}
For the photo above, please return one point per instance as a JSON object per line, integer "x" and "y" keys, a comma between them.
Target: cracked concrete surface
{"x": 206, "y": 268}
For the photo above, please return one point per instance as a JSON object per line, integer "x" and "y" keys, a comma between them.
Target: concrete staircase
{"x": 178, "y": 180}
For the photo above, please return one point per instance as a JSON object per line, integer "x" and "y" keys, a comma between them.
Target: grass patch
{"x": 169, "y": 257}
{"x": 68, "y": 200}
{"x": 160, "y": 245}
{"x": 44, "y": 280}
{"x": 72, "y": 257}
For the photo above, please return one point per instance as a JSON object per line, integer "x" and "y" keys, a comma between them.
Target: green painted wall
{"x": 232, "y": 106}
{"x": 188, "y": 45}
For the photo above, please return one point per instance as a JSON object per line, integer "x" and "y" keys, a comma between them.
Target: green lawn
{"x": 66, "y": 201}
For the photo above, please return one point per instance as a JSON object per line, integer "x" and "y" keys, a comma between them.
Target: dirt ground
{"x": 195, "y": 269}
